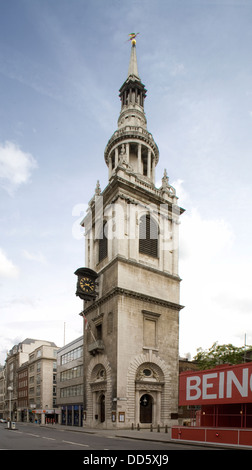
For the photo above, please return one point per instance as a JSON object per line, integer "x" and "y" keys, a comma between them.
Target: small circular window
{"x": 101, "y": 375}
{"x": 147, "y": 372}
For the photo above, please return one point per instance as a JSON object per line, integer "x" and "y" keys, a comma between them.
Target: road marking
{"x": 49, "y": 438}
{"x": 75, "y": 443}
{"x": 30, "y": 434}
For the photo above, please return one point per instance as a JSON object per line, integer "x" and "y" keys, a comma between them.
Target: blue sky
{"x": 62, "y": 63}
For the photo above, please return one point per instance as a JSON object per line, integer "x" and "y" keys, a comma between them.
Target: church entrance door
{"x": 146, "y": 409}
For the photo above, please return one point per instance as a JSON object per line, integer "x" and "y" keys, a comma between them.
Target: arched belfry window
{"x": 148, "y": 236}
{"x": 103, "y": 244}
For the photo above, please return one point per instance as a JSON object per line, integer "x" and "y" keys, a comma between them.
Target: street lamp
{"x": 10, "y": 389}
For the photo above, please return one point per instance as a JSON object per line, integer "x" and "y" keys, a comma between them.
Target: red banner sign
{"x": 223, "y": 384}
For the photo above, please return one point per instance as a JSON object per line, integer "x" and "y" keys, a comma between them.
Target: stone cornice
{"x": 116, "y": 291}
{"x": 139, "y": 265}
{"x": 141, "y": 191}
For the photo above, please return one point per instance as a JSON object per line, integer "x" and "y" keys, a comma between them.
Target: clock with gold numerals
{"x": 87, "y": 284}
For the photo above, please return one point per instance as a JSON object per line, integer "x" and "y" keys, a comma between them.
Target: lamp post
{"x": 10, "y": 389}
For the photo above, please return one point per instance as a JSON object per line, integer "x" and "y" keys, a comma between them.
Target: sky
{"x": 62, "y": 63}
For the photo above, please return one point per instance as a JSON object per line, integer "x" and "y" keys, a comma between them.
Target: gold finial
{"x": 132, "y": 38}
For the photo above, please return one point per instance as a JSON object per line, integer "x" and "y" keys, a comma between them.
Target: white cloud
{"x": 203, "y": 240}
{"x": 178, "y": 69}
{"x": 215, "y": 288}
{"x": 7, "y": 268}
{"x": 184, "y": 198}
{"x": 15, "y": 166}
{"x": 39, "y": 257}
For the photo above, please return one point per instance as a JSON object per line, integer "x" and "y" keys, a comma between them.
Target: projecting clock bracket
{"x": 86, "y": 283}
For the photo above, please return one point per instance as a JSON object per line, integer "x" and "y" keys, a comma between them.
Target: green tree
{"x": 220, "y": 354}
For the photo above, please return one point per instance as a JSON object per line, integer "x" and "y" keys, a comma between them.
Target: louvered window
{"x": 148, "y": 236}
{"x": 103, "y": 245}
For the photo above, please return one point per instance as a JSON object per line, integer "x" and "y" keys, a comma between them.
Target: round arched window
{"x": 147, "y": 372}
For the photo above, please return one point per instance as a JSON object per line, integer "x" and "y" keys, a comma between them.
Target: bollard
{"x": 166, "y": 428}
{"x": 138, "y": 427}
{"x": 132, "y": 426}
{"x": 158, "y": 428}
{"x": 151, "y": 428}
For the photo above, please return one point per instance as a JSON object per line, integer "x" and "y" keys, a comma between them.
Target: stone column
{"x": 149, "y": 164}
{"x": 110, "y": 166}
{"x": 153, "y": 169}
{"x": 127, "y": 152}
{"x": 137, "y": 408}
{"x": 116, "y": 157}
{"x": 139, "y": 158}
{"x": 158, "y": 408}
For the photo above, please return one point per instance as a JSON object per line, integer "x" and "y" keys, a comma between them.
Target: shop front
{"x": 44, "y": 416}
{"x": 72, "y": 415}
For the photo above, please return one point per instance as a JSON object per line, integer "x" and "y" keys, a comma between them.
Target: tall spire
{"x": 132, "y": 94}
{"x": 131, "y": 143}
{"x": 133, "y": 71}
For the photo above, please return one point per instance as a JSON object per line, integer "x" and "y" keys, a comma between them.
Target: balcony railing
{"x": 96, "y": 347}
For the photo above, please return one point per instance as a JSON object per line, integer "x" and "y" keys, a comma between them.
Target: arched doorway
{"x": 149, "y": 394}
{"x": 102, "y": 408}
{"x": 146, "y": 403}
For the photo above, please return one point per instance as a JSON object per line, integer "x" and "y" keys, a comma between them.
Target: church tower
{"x": 131, "y": 283}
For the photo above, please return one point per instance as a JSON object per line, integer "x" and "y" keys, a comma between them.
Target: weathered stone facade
{"x": 132, "y": 327}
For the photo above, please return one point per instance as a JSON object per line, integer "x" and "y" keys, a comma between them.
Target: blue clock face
{"x": 87, "y": 284}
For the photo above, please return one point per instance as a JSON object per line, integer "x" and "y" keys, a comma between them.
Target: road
{"x": 35, "y": 437}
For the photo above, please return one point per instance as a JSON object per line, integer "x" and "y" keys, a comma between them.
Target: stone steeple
{"x": 130, "y": 353}
{"x": 132, "y": 95}
{"x": 132, "y": 139}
